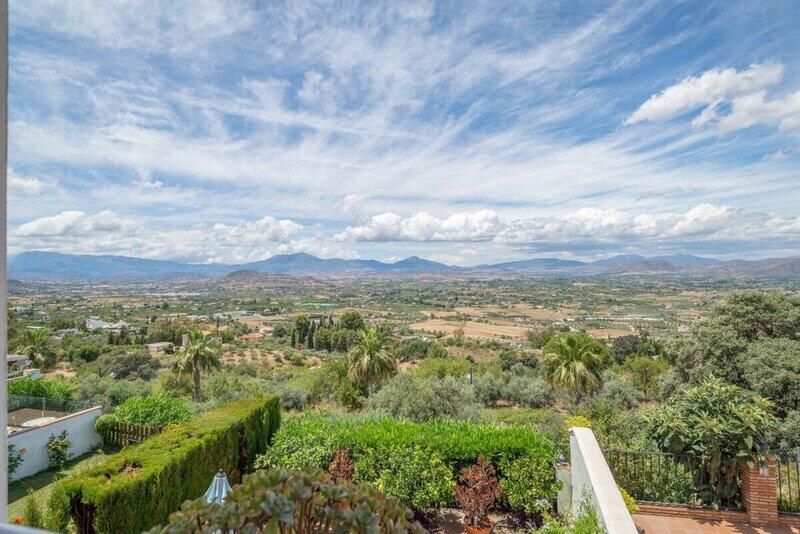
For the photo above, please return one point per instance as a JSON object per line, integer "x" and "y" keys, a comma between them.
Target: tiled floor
{"x": 650, "y": 524}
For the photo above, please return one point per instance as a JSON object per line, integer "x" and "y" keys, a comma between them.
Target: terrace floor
{"x": 653, "y": 524}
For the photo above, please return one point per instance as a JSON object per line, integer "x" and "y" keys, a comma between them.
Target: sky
{"x": 463, "y": 132}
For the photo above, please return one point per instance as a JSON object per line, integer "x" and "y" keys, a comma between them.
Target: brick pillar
{"x": 759, "y": 485}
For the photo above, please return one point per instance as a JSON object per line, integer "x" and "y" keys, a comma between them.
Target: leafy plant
{"x": 370, "y": 362}
{"x": 14, "y": 459}
{"x": 297, "y": 503}
{"x": 33, "y": 513}
{"x": 342, "y": 465}
{"x": 413, "y": 475}
{"x": 477, "y": 492}
{"x": 721, "y": 425}
{"x": 575, "y": 362}
{"x": 529, "y": 483}
{"x": 57, "y": 448}
{"x": 154, "y": 411}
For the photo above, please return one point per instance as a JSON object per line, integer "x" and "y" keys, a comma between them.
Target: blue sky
{"x": 464, "y": 132}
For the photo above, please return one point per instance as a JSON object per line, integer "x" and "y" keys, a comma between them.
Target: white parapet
{"x": 592, "y": 480}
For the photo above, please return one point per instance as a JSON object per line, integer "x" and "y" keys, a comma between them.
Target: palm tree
{"x": 38, "y": 346}
{"x": 574, "y": 362}
{"x": 201, "y": 353}
{"x": 370, "y": 362}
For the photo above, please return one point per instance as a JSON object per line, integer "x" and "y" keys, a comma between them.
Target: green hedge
{"x": 308, "y": 442}
{"x": 140, "y": 486}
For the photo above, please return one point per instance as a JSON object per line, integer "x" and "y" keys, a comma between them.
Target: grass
{"x": 42, "y": 483}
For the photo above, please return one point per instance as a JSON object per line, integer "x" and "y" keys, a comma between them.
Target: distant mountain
{"x": 53, "y": 266}
{"x": 86, "y": 267}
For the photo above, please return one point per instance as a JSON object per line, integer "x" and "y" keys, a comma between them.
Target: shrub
{"x": 293, "y": 397}
{"x": 723, "y": 425}
{"x": 477, "y": 492}
{"x": 645, "y": 374}
{"x": 107, "y": 391}
{"x": 620, "y": 393}
{"x": 302, "y": 503}
{"x": 57, "y": 448}
{"x": 630, "y": 502}
{"x": 138, "y": 487}
{"x": 47, "y": 388}
{"x": 127, "y": 364}
{"x": 309, "y": 441}
{"x": 436, "y": 350}
{"x": 442, "y": 367}
{"x": 529, "y": 391}
{"x": 14, "y": 459}
{"x": 412, "y": 350}
{"x": 154, "y": 410}
{"x": 412, "y": 474}
{"x": 423, "y": 399}
{"x": 529, "y": 483}
{"x": 342, "y": 465}
{"x": 33, "y": 513}
{"x": 489, "y": 389}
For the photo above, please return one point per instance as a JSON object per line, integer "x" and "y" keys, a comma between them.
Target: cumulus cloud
{"x": 731, "y": 99}
{"x": 466, "y": 226}
{"x": 24, "y": 185}
{"x": 107, "y": 232}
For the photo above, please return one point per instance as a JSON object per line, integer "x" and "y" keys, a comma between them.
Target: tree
{"x": 754, "y": 314}
{"x": 575, "y": 362}
{"x": 301, "y": 325}
{"x": 370, "y": 362}
{"x": 37, "y": 344}
{"x": 127, "y": 364}
{"x": 771, "y": 367}
{"x": 351, "y": 320}
{"x": 711, "y": 348}
{"x": 200, "y": 354}
{"x": 311, "y": 331}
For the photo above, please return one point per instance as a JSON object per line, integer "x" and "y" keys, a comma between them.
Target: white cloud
{"x": 74, "y": 224}
{"x": 711, "y": 87}
{"x": 107, "y": 232}
{"x": 23, "y": 185}
{"x": 466, "y": 226}
{"x": 733, "y": 100}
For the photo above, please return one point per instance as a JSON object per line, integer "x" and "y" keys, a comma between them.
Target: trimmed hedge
{"x": 308, "y": 442}
{"x": 139, "y": 487}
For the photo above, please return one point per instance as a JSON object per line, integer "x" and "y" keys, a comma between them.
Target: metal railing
{"x": 788, "y": 463}
{"x": 22, "y": 408}
{"x": 659, "y": 477}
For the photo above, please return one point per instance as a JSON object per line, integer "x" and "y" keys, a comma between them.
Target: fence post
{"x": 759, "y": 485}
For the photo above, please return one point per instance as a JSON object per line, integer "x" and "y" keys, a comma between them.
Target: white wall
{"x": 79, "y": 425}
{"x": 592, "y": 479}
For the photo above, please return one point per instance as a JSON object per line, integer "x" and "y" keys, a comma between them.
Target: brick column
{"x": 759, "y": 485}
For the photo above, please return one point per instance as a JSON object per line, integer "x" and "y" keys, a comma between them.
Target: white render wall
{"x": 79, "y": 425}
{"x": 592, "y": 480}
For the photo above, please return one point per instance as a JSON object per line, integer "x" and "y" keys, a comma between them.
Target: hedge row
{"x": 140, "y": 486}
{"x": 309, "y": 441}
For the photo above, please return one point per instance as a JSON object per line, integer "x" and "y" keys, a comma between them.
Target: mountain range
{"x": 53, "y": 266}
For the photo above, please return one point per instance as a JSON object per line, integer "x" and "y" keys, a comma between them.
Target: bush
{"x": 723, "y": 425}
{"x": 309, "y": 441}
{"x": 528, "y": 482}
{"x": 47, "y": 388}
{"x": 127, "y": 364}
{"x": 620, "y": 393}
{"x": 138, "y": 487}
{"x": 14, "y": 459}
{"x": 423, "y": 399}
{"x": 412, "y": 475}
{"x": 154, "y": 410}
{"x": 645, "y": 374}
{"x": 529, "y": 391}
{"x": 293, "y": 397}
{"x": 33, "y": 513}
{"x": 57, "y": 448}
{"x": 412, "y": 350}
{"x": 489, "y": 389}
{"x": 436, "y": 350}
{"x": 285, "y": 501}
{"x": 107, "y": 391}
{"x": 442, "y": 367}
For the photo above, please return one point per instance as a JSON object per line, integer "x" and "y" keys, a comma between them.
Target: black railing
{"x": 788, "y": 480}
{"x": 655, "y": 476}
{"x": 22, "y": 408}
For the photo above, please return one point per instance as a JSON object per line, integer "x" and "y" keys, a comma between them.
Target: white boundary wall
{"x": 79, "y": 425}
{"x": 591, "y": 478}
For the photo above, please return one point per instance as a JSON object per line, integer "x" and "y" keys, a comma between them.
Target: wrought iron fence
{"x": 655, "y": 476}
{"x": 788, "y": 480}
{"x": 22, "y": 408}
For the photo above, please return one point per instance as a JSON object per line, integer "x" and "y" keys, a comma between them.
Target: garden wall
{"x": 79, "y": 425}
